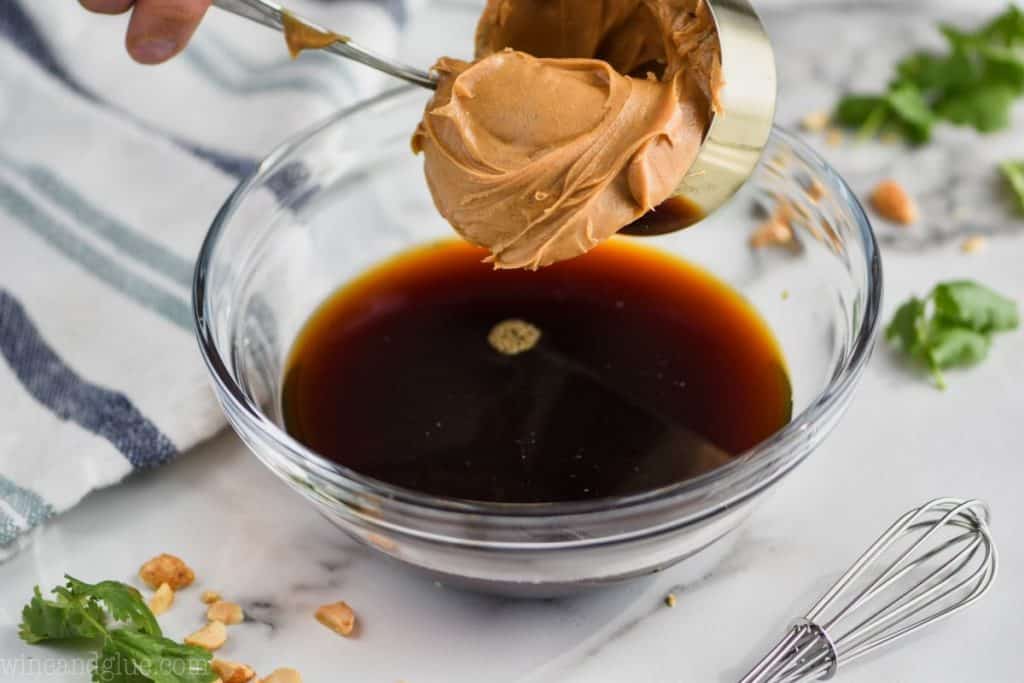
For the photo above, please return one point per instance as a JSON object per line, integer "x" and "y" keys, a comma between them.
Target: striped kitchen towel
{"x": 110, "y": 174}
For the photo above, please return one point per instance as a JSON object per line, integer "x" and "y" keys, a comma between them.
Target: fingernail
{"x": 109, "y": 6}
{"x": 158, "y": 50}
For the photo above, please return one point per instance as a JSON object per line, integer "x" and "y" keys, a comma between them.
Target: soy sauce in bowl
{"x": 617, "y": 372}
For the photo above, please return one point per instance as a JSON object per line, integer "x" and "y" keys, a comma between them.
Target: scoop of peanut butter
{"x": 540, "y": 156}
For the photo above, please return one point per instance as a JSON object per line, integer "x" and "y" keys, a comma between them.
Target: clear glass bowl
{"x": 337, "y": 200}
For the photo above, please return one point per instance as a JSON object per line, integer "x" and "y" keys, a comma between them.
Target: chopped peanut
{"x": 771, "y": 232}
{"x": 209, "y": 637}
{"x": 778, "y": 163}
{"x": 229, "y": 613}
{"x": 833, "y": 137}
{"x": 892, "y": 202}
{"x": 338, "y": 617}
{"x": 166, "y": 569}
{"x": 777, "y": 230}
{"x": 232, "y": 672}
{"x": 283, "y": 676}
{"x": 816, "y": 191}
{"x": 162, "y": 599}
{"x": 209, "y": 597}
{"x": 815, "y": 122}
{"x": 973, "y": 244}
{"x": 670, "y": 600}
{"x": 382, "y": 542}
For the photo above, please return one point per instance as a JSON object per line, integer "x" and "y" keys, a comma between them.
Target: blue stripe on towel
{"x": 125, "y": 238}
{"x": 9, "y": 530}
{"x": 44, "y": 375}
{"x": 27, "y": 505}
{"x": 18, "y": 28}
{"x": 63, "y": 239}
{"x": 281, "y": 78}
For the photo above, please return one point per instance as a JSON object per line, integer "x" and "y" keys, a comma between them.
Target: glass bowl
{"x": 348, "y": 194}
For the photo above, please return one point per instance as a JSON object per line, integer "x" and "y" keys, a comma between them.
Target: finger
{"x": 107, "y": 6}
{"x": 160, "y": 29}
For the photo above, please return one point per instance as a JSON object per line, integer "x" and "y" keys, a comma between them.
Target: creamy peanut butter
{"x": 301, "y": 36}
{"x": 538, "y": 157}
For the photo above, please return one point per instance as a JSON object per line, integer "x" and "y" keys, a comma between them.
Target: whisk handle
{"x": 806, "y": 644}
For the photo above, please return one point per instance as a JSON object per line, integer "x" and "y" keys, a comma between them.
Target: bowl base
{"x": 688, "y": 568}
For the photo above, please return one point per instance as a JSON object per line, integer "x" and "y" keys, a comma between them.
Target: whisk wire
{"x": 896, "y": 612}
{"x": 965, "y": 565}
{"x": 986, "y": 572}
{"x": 906, "y": 523}
{"x": 886, "y": 579}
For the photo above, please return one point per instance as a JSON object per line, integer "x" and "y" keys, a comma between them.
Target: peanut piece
{"x": 892, "y": 202}
{"x": 166, "y": 569}
{"x": 816, "y": 191}
{"x": 229, "y": 613}
{"x": 777, "y": 230}
{"x": 209, "y": 597}
{"x": 283, "y": 676}
{"x": 161, "y": 600}
{"x": 815, "y": 122}
{"x": 338, "y": 617}
{"x": 209, "y": 637}
{"x": 232, "y": 672}
{"x": 382, "y": 542}
{"x": 973, "y": 244}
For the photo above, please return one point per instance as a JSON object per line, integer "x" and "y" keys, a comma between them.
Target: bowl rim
{"x": 825, "y": 407}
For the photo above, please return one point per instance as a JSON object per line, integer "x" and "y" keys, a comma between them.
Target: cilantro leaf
{"x": 985, "y": 105}
{"x": 1006, "y": 29}
{"x": 930, "y": 71}
{"x": 1013, "y": 172}
{"x": 973, "y": 84}
{"x": 913, "y": 112}
{"x": 973, "y": 306}
{"x": 952, "y": 326}
{"x": 1003, "y": 65}
{"x": 959, "y": 39}
{"x": 156, "y": 659}
{"x": 952, "y": 346}
{"x": 113, "y": 667}
{"x": 64, "y": 618}
{"x": 132, "y": 648}
{"x": 903, "y": 109}
{"x": 949, "y": 346}
{"x": 854, "y": 111}
{"x": 909, "y": 326}
{"x": 124, "y": 602}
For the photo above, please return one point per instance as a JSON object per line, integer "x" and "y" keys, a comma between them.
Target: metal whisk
{"x": 934, "y": 561}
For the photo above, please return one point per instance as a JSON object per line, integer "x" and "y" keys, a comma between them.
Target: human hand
{"x": 158, "y": 29}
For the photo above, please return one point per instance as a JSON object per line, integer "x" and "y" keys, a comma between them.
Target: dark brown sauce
{"x": 675, "y": 213}
{"x": 648, "y": 371}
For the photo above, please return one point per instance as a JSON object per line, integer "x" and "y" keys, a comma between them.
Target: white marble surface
{"x": 901, "y": 443}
